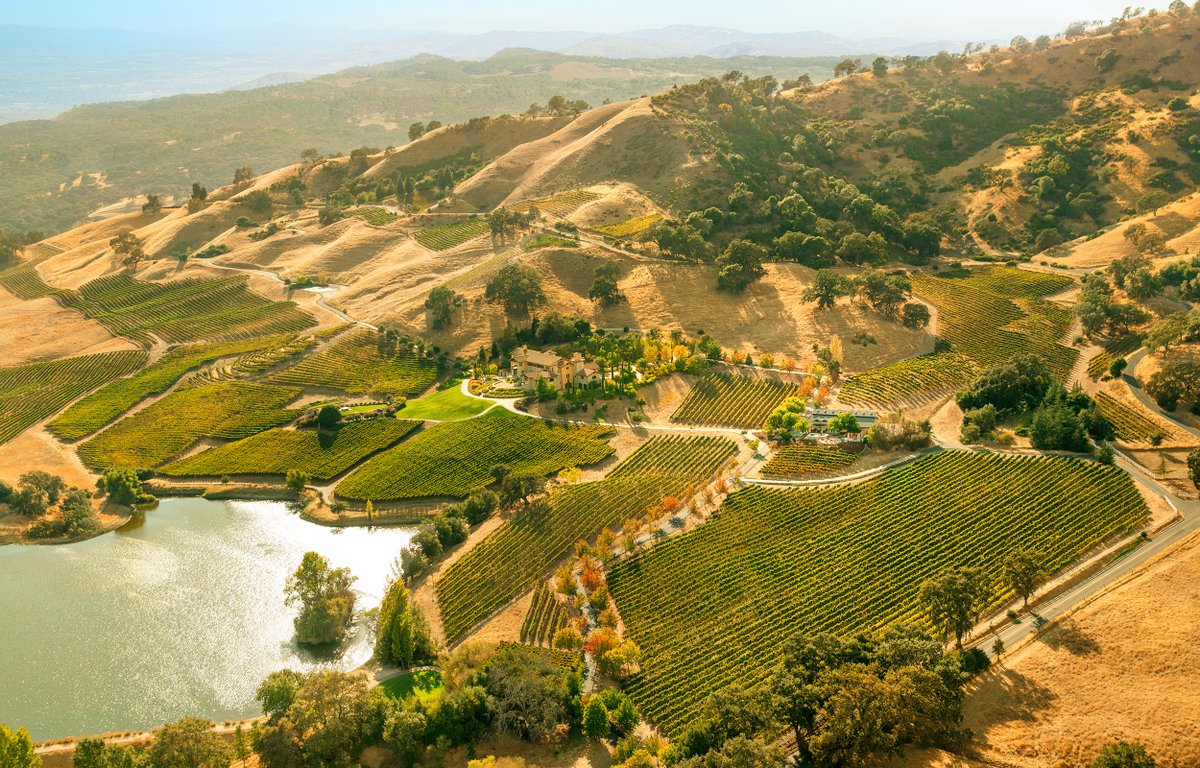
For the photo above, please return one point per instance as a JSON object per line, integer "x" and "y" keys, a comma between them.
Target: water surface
{"x": 180, "y": 613}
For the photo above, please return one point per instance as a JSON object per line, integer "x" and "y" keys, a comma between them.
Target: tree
{"x": 189, "y": 743}
{"x": 1123, "y": 754}
{"x": 199, "y": 192}
{"x": 518, "y": 487}
{"x": 1023, "y": 572}
{"x": 1177, "y": 383}
{"x": 404, "y": 731}
{"x": 123, "y": 486}
{"x": 325, "y": 597}
{"x": 604, "y": 289}
{"x": 328, "y": 417}
{"x": 1167, "y": 331}
{"x": 1193, "y": 464}
{"x": 128, "y": 246}
{"x": 441, "y": 305}
{"x": 16, "y": 749}
{"x": 402, "y": 636}
{"x": 1107, "y": 60}
{"x": 883, "y": 292}
{"x": 153, "y": 204}
{"x": 517, "y": 288}
{"x": 297, "y": 480}
{"x": 843, "y": 422}
{"x": 847, "y": 67}
{"x": 1019, "y": 384}
{"x": 241, "y": 748}
{"x": 595, "y": 719}
{"x": 740, "y": 265}
{"x": 955, "y": 598}
{"x": 827, "y": 286}
{"x": 879, "y": 67}
{"x": 480, "y": 505}
{"x": 416, "y": 131}
{"x": 810, "y": 250}
{"x": 322, "y": 718}
{"x": 914, "y": 315}
{"x": 243, "y": 175}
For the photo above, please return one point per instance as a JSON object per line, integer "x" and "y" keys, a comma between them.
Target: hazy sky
{"x": 927, "y": 19}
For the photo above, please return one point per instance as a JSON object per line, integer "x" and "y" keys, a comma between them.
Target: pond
{"x": 181, "y": 612}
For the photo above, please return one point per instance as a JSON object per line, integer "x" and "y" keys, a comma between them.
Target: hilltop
{"x": 58, "y": 171}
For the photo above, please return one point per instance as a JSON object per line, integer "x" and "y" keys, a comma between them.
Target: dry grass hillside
{"x": 1120, "y": 667}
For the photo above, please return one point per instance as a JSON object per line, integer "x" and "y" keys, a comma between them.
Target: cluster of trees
{"x": 63, "y": 510}
{"x": 419, "y": 129}
{"x": 517, "y": 288}
{"x": 453, "y": 524}
{"x": 12, "y": 244}
{"x": 1177, "y": 383}
{"x": 898, "y": 433}
{"x": 326, "y": 600}
{"x": 503, "y": 222}
{"x": 402, "y": 634}
{"x": 1099, "y": 311}
{"x": 846, "y": 702}
{"x": 882, "y": 291}
{"x": 558, "y": 106}
{"x": 1023, "y": 387}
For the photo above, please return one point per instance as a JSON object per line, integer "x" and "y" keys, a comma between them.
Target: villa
{"x": 530, "y": 365}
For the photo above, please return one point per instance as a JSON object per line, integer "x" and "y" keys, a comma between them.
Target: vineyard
{"x": 546, "y": 616}
{"x": 1131, "y": 422}
{"x": 694, "y": 456}
{"x": 562, "y": 204}
{"x": 1099, "y": 365}
{"x": 106, "y": 404}
{"x": 567, "y": 661}
{"x": 744, "y": 402}
{"x": 547, "y": 240}
{"x": 806, "y": 461}
{"x": 994, "y": 314}
{"x": 167, "y": 428}
{"x": 185, "y": 310}
{"x": 523, "y": 550}
{"x": 455, "y": 458}
{"x": 446, "y": 236}
{"x": 23, "y": 282}
{"x": 912, "y": 381}
{"x": 629, "y": 228}
{"x": 374, "y": 215}
{"x": 363, "y": 362}
{"x": 30, "y": 393}
{"x": 323, "y": 455}
{"x": 715, "y": 604}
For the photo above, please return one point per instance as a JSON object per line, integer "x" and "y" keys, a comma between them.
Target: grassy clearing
{"x": 454, "y": 458}
{"x": 185, "y": 310}
{"x": 449, "y": 404}
{"x": 424, "y": 684}
{"x": 30, "y": 393}
{"x": 744, "y": 402}
{"x": 715, "y": 604}
{"x": 363, "y": 362}
{"x": 446, "y": 236}
{"x": 323, "y": 455}
{"x": 167, "y": 428}
{"x": 520, "y": 552}
{"x": 106, "y": 404}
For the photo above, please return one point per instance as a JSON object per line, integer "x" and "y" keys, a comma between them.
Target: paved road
{"x": 1135, "y": 385}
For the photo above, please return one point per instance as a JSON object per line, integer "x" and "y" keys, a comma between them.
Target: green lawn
{"x": 448, "y": 405}
{"x": 425, "y": 684}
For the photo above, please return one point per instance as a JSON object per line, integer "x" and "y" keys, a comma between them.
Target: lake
{"x": 181, "y": 612}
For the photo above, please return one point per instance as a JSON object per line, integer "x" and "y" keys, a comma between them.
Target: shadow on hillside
{"x": 1068, "y": 636}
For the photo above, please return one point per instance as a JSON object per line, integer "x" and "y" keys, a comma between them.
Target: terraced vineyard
{"x": 165, "y": 429}
{"x": 630, "y": 227}
{"x": 523, "y": 550}
{"x": 375, "y": 216}
{"x": 323, "y": 455}
{"x": 715, "y": 604}
{"x": 454, "y": 458}
{"x": 562, "y": 204}
{"x": 694, "y": 456}
{"x": 106, "y": 404}
{"x": 807, "y": 460}
{"x": 911, "y": 381}
{"x": 185, "y": 310}
{"x": 30, "y": 393}
{"x": 446, "y": 236}
{"x": 24, "y": 282}
{"x": 362, "y": 362}
{"x": 743, "y": 402}
{"x": 996, "y": 313}
{"x": 546, "y": 616}
{"x": 1131, "y": 422}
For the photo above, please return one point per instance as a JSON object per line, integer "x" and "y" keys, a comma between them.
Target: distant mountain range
{"x": 45, "y": 71}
